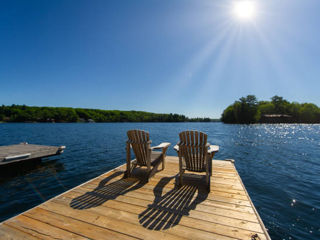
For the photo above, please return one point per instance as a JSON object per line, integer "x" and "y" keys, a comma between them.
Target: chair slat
{"x": 136, "y": 147}
{"x": 140, "y": 135}
{"x": 190, "y": 162}
{"x": 196, "y": 135}
{"x": 200, "y": 148}
{"x": 205, "y": 148}
{"x": 192, "y": 148}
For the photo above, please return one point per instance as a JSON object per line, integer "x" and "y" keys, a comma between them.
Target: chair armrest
{"x": 213, "y": 149}
{"x": 130, "y": 142}
{"x": 176, "y": 147}
{"x": 162, "y": 145}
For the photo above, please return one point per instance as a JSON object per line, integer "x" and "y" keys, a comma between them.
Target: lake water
{"x": 279, "y": 165}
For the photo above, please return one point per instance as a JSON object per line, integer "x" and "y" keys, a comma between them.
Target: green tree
{"x": 249, "y": 109}
{"x": 228, "y": 115}
{"x": 309, "y": 113}
{"x": 280, "y": 105}
{"x": 266, "y": 108}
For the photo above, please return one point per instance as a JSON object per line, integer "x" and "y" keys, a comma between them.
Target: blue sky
{"x": 191, "y": 57}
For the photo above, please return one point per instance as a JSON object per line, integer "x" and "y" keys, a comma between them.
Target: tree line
{"x": 22, "y": 113}
{"x": 250, "y": 110}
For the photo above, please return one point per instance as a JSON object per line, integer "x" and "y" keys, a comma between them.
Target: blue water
{"x": 279, "y": 165}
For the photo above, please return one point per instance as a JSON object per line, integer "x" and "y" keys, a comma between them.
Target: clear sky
{"x": 192, "y": 57}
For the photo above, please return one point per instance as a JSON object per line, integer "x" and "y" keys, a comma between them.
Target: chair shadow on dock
{"x": 169, "y": 207}
{"x": 107, "y": 191}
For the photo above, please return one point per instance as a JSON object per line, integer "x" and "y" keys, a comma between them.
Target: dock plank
{"x": 69, "y": 224}
{"x": 7, "y": 232}
{"x": 113, "y": 207}
{"x": 39, "y": 229}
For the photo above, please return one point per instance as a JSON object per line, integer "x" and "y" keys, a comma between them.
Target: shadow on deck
{"x": 105, "y": 191}
{"x": 167, "y": 208}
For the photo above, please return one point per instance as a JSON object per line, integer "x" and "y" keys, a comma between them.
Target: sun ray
{"x": 188, "y": 72}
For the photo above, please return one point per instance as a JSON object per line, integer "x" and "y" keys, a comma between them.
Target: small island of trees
{"x": 278, "y": 110}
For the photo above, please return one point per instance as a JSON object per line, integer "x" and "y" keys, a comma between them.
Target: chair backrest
{"x": 193, "y": 149}
{"x": 140, "y": 143}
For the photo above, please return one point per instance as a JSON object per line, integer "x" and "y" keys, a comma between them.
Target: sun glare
{"x": 244, "y": 10}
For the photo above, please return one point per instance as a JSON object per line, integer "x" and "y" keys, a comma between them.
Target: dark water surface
{"x": 279, "y": 165}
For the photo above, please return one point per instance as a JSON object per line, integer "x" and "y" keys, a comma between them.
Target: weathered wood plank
{"x": 39, "y": 229}
{"x": 7, "y": 232}
{"x": 86, "y": 228}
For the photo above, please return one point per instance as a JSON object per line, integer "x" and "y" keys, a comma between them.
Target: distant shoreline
{"x": 213, "y": 121}
{"x": 31, "y": 114}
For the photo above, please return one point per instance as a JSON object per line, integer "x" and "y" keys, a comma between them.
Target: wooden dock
{"x": 113, "y": 207}
{"x": 23, "y": 152}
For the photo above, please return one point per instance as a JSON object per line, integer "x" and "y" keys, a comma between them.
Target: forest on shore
{"x": 278, "y": 110}
{"x": 23, "y": 113}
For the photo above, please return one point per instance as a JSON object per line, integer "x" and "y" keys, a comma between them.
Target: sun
{"x": 244, "y": 9}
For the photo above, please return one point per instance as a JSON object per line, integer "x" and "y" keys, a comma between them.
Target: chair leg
{"x": 208, "y": 171}
{"x": 208, "y": 181}
{"x": 181, "y": 178}
{"x": 211, "y": 159}
{"x": 128, "y": 173}
{"x": 181, "y": 171}
{"x": 163, "y": 162}
{"x": 149, "y": 172}
{"x": 164, "y": 154}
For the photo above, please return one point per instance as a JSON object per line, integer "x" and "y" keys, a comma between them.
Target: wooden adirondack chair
{"x": 195, "y": 154}
{"x": 139, "y": 141}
